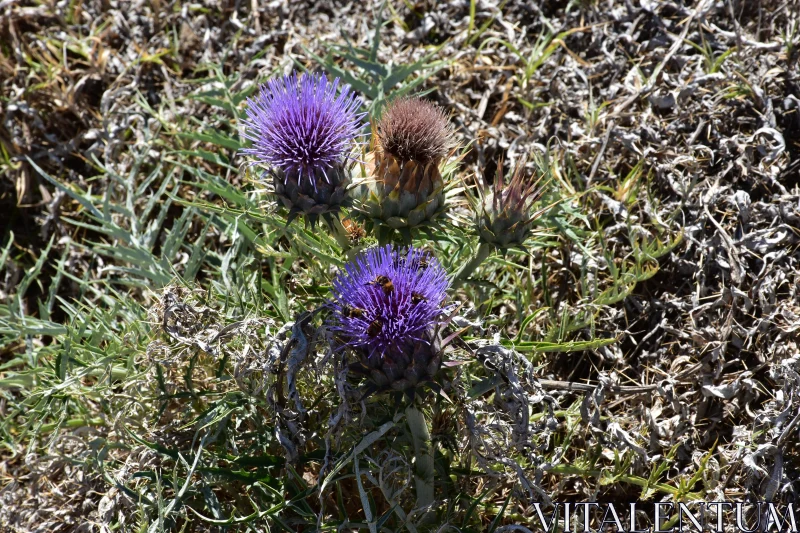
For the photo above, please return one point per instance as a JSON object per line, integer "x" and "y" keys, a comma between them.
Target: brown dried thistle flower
{"x": 410, "y": 142}
{"x": 413, "y": 129}
{"x": 354, "y": 231}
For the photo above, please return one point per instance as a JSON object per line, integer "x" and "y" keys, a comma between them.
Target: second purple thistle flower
{"x": 388, "y": 307}
{"x": 305, "y": 132}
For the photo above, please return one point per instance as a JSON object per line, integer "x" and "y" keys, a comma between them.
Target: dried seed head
{"x": 415, "y": 129}
{"x": 354, "y": 231}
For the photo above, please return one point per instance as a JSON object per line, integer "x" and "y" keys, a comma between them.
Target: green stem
{"x": 384, "y": 235}
{"x": 483, "y": 253}
{"x": 73, "y": 423}
{"x": 423, "y": 475}
{"x": 340, "y": 234}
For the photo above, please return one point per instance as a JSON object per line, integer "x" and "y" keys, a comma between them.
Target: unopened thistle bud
{"x": 504, "y": 214}
{"x": 305, "y": 133}
{"x": 405, "y": 187}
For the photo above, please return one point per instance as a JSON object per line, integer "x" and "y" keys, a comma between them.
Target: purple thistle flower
{"x": 387, "y": 302}
{"x": 303, "y": 129}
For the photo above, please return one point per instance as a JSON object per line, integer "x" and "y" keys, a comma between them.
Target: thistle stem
{"x": 384, "y": 235}
{"x": 423, "y": 475}
{"x": 340, "y": 234}
{"x": 483, "y": 253}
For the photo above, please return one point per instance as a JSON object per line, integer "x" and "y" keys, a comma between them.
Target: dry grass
{"x": 671, "y": 132}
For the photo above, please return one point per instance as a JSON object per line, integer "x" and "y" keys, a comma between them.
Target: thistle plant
{"x": 389, "y": 308}
{"x": 504, "y": 214}
{"x": 405, "y": 188}
{"x": 305, "y": 134}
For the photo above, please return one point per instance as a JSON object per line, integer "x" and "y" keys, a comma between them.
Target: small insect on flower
{"x": 352, "y": 312}
{"x": 417, "y": 298}
{"x": 375, "y": 328}
{"x": 384, "y": 282}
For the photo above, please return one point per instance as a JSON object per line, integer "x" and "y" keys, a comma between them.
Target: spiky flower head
{"x": 413, "y": 129}
{"x": 504, "y": 217}
{"x": 406, "y": 188}
{"x": 304, "y": 131}
{"x": 355, "y": 233}
{"x": 387, "y": 307}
